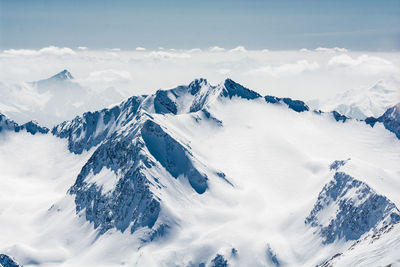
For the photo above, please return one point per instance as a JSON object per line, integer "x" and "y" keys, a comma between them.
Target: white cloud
{"x": 115, "y": 49}
{"x": 194, "y": 50}
{"x": 363, "y": 64}
{"x": 331, "y": 50}
{"x": 305, "y": 75}
{"x": 109, "y": 75}
{"x": 167, "y": 55}
{"x": 139, "y": 48}
{"x": 286, "y": 69}
{"x": 82, "y": 48}
{"x": 304, "y": 50}
{"x": 113, "y": 54}
{"x": 238, "y": 49}
{"x": 216, "y": 49}
{"x": 51, "y": 50}
{"x": 264, "y": 51}
{"x": 224, "y": 71}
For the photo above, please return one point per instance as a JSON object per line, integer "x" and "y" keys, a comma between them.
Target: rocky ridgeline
{"x": 31, "y": 126}
{"x": 348, "y": 208}
{"x": 390, "y": 119}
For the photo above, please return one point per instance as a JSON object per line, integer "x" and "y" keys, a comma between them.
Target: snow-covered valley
{"x": 203, "y": 175}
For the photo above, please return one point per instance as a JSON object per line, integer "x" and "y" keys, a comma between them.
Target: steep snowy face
{"x": 184, "y": 99}
{"x": 140, "y": 156}
{"x": 221, "y": 175}
{"x": 136, "y": 164}
{"x": 365, "y": 102}
{"x": 196, "y": 96}
{"x": 348, "y": 208}
{"x": 390, "y": 119}
{"x": 94, "y": 127}
{"x": 31, "y": 127}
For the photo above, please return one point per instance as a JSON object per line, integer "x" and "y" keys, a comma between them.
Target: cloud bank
{"x": 287, "y": 69}
{"x": 305, "y": 74}
{"x": 51, "y": 50}
{"x": 364, "y": 64}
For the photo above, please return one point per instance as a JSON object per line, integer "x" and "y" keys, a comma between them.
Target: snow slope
{"x": 201, "y": 174}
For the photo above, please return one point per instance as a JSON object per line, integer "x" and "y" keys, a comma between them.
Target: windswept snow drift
{"x": 201, "y": 175}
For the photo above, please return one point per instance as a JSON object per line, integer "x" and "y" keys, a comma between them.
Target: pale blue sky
{"x": 255, "y": 24}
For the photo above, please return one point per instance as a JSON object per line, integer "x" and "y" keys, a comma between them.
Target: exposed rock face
{"x": 338, "y": 116}
{"x": 231, "y": 89}
{"x": 390, "y": 119}
{"x": 31, "y": 126}
{"x": 272, "y": 257}
{"x": 337, "y": 164}
{"x": 92, "y": 128}
{"x": 175, "y": 158}
{"x": 134, "y": 151}
{"x": 348, "y": 208}
{"x": 296, "y": 105}
{"x": 7, "y": 124}
{"x": 135, "y": 156}
{"x": 6, "y": 261}
{"x": 122, "y": 183}
{"x": 219, "y": 261}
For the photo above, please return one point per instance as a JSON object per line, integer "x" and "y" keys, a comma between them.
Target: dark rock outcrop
{"x": 353, "y": 210}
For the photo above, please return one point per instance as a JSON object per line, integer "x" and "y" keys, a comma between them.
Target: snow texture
{"x": 200, "y": 175}
{"x": 357, "y": 209}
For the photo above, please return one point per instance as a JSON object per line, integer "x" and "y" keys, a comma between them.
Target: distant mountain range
{"x": 52, "y": 100}
{"x": 362, "y": 103}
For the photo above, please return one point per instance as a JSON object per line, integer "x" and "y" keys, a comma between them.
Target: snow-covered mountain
{"x": 203, "y": 175}
{"x": 362, "y": 103}
{"x": 53, "y": 100}
{"x": 390, "y": 119}
{"x": 31, "y": 127}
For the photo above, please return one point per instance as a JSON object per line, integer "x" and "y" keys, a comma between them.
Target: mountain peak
{"x": 232, "y": 88}
{"x": 196, "y": 85}
{"x": 63, "y": 75}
